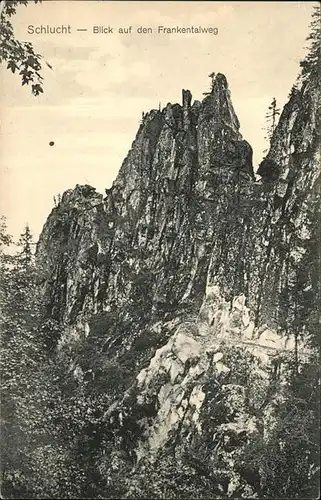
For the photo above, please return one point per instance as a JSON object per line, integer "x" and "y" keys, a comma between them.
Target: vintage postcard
{"x": 160, "y": 249}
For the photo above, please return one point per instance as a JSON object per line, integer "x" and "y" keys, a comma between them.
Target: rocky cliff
{"x": 195, "y": 274}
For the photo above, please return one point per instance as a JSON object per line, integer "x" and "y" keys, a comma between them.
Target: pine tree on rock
{"x": 271, "y": 119}
{"x": 311, "y": 64}
{"x": 212, "y": 77}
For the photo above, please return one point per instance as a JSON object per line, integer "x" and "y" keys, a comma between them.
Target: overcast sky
{"x": 100, "y": 84}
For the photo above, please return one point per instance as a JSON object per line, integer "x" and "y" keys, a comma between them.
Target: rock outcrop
{"x": 159, "y": 215}
{"x": 202, "y": 274}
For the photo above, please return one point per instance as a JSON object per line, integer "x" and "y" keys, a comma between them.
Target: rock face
{"x": 184, "y": 206}
{"x": 198, "y": 262}
{"x": 201, "y": 349}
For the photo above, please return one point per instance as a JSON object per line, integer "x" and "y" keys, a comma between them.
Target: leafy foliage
{"x": 19, "y": 56}
{"x": 34, "y": 460}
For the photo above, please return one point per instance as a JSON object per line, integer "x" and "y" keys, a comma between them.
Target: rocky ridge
{"x": 210, "y": 270}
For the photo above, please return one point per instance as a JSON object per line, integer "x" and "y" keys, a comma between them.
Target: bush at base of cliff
{"x": 287, "y": 460}
{"x": 169, "y": 478}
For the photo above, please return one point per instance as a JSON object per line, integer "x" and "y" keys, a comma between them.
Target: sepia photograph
{"x": 160, "y": 249}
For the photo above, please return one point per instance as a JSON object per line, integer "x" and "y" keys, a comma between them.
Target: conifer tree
{"x": 25, "y": 243}
{"x": 271, "y": 119}
{"x": 311, "y": 64}
{"x": 212, "y": 77}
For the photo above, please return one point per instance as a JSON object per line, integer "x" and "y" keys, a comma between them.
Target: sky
{"x": 100, "y": 84}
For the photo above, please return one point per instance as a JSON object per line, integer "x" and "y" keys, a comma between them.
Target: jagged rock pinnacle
{"x": 178, "y": 279}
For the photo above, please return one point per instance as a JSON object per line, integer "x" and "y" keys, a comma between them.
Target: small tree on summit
{"x": 212, "y": 76}
{"x": 271, "y": 119}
